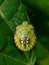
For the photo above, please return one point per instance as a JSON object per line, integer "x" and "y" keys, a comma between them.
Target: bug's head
{"x": 25, "y": 35}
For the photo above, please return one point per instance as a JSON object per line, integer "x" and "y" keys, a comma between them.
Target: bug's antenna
{"x": 15, "y": 22}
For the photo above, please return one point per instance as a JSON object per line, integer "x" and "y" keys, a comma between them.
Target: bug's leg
{"x": 34, "y": 38}
{"x": 15, "y": 22}
{"x": 14, "y": 37}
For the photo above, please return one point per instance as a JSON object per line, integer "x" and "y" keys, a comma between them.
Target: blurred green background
{"x": 37, "y": 13}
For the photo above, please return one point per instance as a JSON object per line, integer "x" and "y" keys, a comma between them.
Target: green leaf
{"x": 41, "y": 52}
{"x": 11, "y": 11}
{"x": 14, "y": 10}
{"x": 41, "y": 5}
{"x": 1, "y": 1}
{"x": 45, "y": 61}
{"x": 9, "y": 53}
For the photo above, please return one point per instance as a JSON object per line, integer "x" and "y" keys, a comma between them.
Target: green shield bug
{"x": 24, "y": 36}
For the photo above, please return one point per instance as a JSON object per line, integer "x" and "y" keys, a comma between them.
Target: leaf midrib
{"x": 12, "y": 31}
{"x": 13, "y": 58}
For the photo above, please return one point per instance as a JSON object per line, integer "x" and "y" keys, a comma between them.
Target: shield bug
{"x": 24, "y": 36}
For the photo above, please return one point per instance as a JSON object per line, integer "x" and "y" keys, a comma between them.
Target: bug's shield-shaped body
{"x": 24, "y": 36}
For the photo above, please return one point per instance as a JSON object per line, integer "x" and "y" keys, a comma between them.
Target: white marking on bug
{"x": 22, "y": 44}
{"x": 27, "y": 41}
{"x": 21, "y": 41}
{"x": 22, "y": 37}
